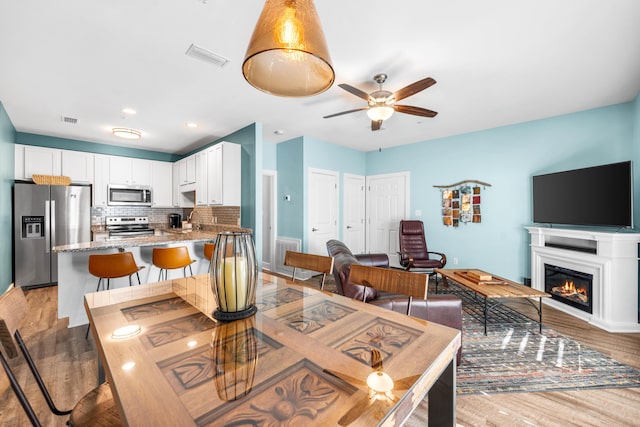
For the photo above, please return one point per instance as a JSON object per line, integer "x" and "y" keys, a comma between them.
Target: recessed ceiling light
{"x": 192, "y": 125}
{"x": 129, "y": 111}
{"x": 127, "y": 133}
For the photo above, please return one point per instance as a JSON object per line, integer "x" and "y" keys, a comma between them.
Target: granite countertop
{"x": 163, "y": 236}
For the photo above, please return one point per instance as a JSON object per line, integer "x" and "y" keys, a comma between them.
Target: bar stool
{"x": 113, "y": 266}
{"x": 172, "y": 258}
{"x": 208, "y": 253}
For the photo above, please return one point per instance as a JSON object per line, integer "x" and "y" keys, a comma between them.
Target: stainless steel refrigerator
{"x": 45, "y": 216}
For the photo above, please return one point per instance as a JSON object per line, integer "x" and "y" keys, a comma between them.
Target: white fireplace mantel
{"x": 612, "y": 259}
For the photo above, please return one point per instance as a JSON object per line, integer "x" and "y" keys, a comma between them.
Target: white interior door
{"x": 387, "y": 204}
{"x": 269, "y": 216}
{"x": 322, "y": 209}
{"x": 354, "y": 213}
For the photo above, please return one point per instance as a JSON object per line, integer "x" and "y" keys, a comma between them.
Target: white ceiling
{"x": 496, "y": 62}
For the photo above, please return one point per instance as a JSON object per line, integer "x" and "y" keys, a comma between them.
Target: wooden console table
{"x": 303, "y": 359}
{"x": 495, "y": 289}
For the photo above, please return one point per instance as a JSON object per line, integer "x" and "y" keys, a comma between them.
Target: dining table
{"x": 307, "y": 357}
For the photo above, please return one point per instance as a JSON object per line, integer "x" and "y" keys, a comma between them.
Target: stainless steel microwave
{"x": 129, "y": 195}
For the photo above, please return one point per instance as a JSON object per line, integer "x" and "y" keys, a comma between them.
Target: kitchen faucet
{"x": 198, "y": 226}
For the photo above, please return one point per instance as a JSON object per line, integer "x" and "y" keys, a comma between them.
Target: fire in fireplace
{"x": 569, "y": 286}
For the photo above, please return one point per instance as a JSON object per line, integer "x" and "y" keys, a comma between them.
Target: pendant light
{"x": 288, "y": 54}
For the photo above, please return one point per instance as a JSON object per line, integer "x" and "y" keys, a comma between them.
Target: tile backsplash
{"x": 203, "y": 215}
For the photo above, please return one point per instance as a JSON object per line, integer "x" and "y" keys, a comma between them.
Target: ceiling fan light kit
{"x": 382, "y": 103}
{"x": 380, "y": 113}
{"x": 288, "y": 54}
{"x": 127, "y": 133}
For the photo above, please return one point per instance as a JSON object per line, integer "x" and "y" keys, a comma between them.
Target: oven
{"x": 128, "y": 227}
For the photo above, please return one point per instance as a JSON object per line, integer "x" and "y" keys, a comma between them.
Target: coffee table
{"x": 497, "y": 288}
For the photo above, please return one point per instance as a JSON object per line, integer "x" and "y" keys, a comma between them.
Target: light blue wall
{"x": 270, "y": 158}
{"x": 506, "y": 158}
{"x": 294, "y": 158}
{"x": 324, "y": 155}
{"x": 290, "y": 182}
{"x": 7, "y": 150}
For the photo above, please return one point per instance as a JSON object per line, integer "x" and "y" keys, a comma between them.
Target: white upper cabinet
{"x": 161, "y": 183}
{"x": 187, "y": 170}
{"x": 126, "y": 170}
{"x": 219, "y": 170}
{"x": 78, "y": 166}
{"x": 30, "y": 160}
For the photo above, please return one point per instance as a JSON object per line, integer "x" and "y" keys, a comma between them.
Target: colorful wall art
{"x": 461, "y": 203}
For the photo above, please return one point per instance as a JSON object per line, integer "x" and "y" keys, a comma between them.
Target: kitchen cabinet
{"x": 218, "y": 175}
{"x": 30, "y": 160}
{"x": 201, "y": 178}
{"x": 224, "y": 174}
{"x": 180, "y": 199}
{"x": 187, "y": 170}
{"x": 100, "y": 179}
{"x": 161, "y": 184}
{"x": 127, "y": 170}
{"x": 77, "y": 165}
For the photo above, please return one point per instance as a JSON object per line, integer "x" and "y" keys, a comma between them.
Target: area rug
{"x": 515, "y": 357}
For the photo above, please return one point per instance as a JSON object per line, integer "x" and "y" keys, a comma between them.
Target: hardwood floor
{"x": 68, "y": 364}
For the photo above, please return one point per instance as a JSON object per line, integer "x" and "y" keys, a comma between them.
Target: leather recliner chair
{"x": 443, "y": 309}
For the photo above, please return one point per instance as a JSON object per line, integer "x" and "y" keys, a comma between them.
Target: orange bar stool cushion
{"x": 111, "y": 266}
{"x": 208, "y": 250}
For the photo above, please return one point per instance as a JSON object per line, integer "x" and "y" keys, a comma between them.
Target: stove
{"x": 124, "y": 227}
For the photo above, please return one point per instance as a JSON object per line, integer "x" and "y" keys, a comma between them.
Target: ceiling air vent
{"x": 206, "y": 55}
{"x": 69, "y": 120}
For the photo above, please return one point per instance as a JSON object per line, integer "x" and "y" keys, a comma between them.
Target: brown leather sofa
{"x": 443, "y": 309}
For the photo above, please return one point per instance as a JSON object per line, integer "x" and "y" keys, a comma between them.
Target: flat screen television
{"x": 595, "y": 196}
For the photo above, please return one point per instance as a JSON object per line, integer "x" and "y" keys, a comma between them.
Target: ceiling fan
{"x": 382, "y": 103}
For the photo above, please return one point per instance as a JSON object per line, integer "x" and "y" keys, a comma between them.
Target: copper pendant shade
{"x": 288, "y": 54}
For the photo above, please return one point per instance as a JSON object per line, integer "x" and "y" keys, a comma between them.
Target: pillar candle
{"x": 233, "y": 287}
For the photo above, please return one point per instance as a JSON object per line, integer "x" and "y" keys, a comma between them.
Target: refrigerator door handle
{"x": 53, "y": 223}
{"x": 47, "y": 226}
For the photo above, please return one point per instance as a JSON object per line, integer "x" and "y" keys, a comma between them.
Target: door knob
{"x": 314, "y": 229}
{"x": 348, "y": 227}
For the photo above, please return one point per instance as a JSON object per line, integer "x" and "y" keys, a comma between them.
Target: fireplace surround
{"x": 609, "y": 258}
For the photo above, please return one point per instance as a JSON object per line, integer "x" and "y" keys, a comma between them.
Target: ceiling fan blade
{"x": 416, "y": 111}
{"x": 376, "y": 360}
{"x": 355, "y": 91}
{"x": 405, "y": 383}
{"x": 345, "y": 112}
{"x": 376, "y": 124}
{"x": 414, "y": 88}
{"x": 356, "y": 410}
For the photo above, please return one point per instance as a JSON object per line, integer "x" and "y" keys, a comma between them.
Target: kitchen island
{"x": 74, "y": 279}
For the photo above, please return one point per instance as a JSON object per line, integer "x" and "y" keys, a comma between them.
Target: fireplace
{"x": 571, "y": 287}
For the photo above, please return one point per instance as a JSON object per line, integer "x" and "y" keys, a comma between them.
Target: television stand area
{"x": 609, "y": 258}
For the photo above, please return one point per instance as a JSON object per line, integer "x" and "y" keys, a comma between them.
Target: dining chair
{"x": 172, "y": 258}
{"x": 390, "y": 280}
{"x": 95, "y": 408}
{"x": 319, "y": 263}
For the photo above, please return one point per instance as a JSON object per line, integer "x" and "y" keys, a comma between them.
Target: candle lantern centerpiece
{"x": 235, "y": 356}
{"x": 234, "y": 274}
